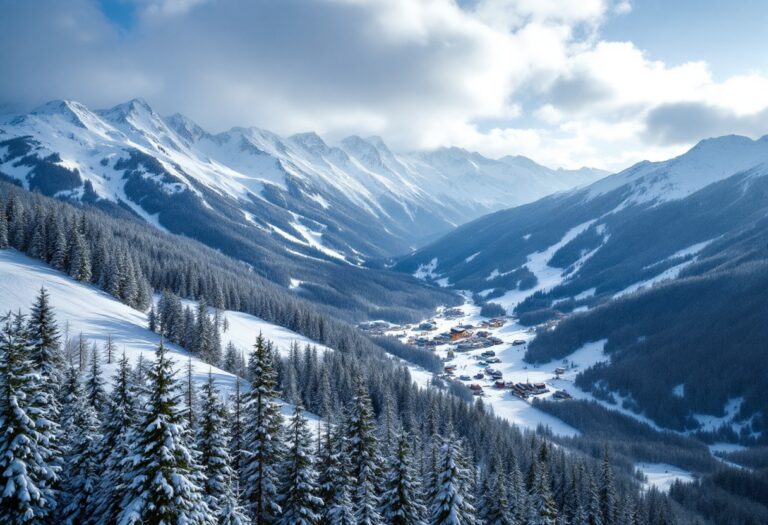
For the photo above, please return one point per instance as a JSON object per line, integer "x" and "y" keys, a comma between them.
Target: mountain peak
{"x": 134, "y": 107}
{"x": 185, "y": 127}
{"x": 310, "y": 141}
{"x": 69, "y": 109}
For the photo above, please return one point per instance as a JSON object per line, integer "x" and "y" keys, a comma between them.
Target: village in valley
{"x": 486, "y": 355}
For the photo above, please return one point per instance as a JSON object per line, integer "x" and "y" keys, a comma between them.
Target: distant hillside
{"x": 666, "y": 260}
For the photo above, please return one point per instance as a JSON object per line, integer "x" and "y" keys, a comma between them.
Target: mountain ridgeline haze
{"x": 303, "y": 214}
{"x": 242, "y": 328}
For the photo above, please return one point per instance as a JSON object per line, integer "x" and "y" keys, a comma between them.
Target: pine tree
{"x": 203, "y": 333}
{"x": 82, "y": 468}
{"x": 333, "y": 479}
{"x": 78, "y": 254}
{"x": 164, "y": 482}
{"x": 451, "y": 504}
{"x": 497, "y": 507}
{"x": 44, "y": 337}
{"x": 231, "y": 358}
{"x": 110, "y": 349}
{"x": 261, "y": 438}
{"x": 27, "y": 469}
{"x": 94, "y": 382}
{"x": 213, "y": 444}
{"x": 362, "y": 450}
{"x": 298, "y": 497}
{"x": 152, "y": 319}
{"x": 401, "y": 501}
{"x": 232, "y": 512}
{"x": 236, "y": 442}
{"x": 594, "y": 513}
{"x": 607, "y": 493}
{"x": 3, "y": 228}
{"x": 120, "y": 418}
{"x": 189, "y": 396}
{"x": 542, "y": 507}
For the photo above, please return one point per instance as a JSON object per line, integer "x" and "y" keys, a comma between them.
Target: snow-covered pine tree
{"x": 451, "y": 504}
{"x": 94, "y": 382}
{"x": 496, "y": 501}
{"x": 78, "y": 254}
{"x": 109, "y": 349}
{"x": 37, "y": 247}
{"x": 189, "y": 395}
{"x": 48, "y": 360}
{"x": 120, "y": 418}
{"x": 232, "y": 511}
{"x": 363, "y": 454}
{"x": 28, "y": 470}
{"x": 298, "y": 495}
{"x": 237, "y": 431}
{"x": 542, "y": 509}
{"x": 516, "y": 491}
{"x": 213, "y": 445}
{"x": 607, "y": 492}
{"x": 82, "y": 467}
{"x": 402, "y": 498}
{"x": 574, "y": 507}
{"x": 164, "y": 479}
{"x": 3, "y": 227}
{"x": 215, "y": 354}
{"x": 594, "y": 513}
{"x": 263, "y": 425}
{"x": 333, "y": 479}
{"x": 204, "y": 337}
{"x": 44, "y": 338}
{"x": 231, "y": 358}
{"x": 152, "y": 319}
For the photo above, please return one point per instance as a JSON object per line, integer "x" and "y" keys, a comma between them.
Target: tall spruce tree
{"x": 298, "y": 495}
{"x": 165, "y": 481}
{"x": 402, "y": 498}
{"x": 594, "y": 513}
{"x": 542, "y": 509}
{"x": 213, "y": 445}
{"x": 497, "y": 507}
{"x": 28, "y": 470}
{"x": 263, "y": 425}
{"x": 120, "y": 418}
{"x": 451, "y": 504}
{"x": 47, "y": 359}
{"x": 82, "y": 467}
{"x": 94, "y": 382}
{"x": 607, "y": 493}
{"x": 3, "y": 227}
{"x": 364, "y": 459}
{"x": 333, "y": 478}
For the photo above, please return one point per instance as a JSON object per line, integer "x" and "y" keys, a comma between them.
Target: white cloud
{"x": 421, "y": 73}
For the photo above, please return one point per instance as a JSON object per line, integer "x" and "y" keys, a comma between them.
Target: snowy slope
{"x": 84, "y": 309}
{"x": 664, "y": 211}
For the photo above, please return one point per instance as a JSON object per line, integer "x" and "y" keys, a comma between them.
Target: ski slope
{"x": 84, "y": 309}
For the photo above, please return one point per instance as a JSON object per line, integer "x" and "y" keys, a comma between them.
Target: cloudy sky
{"x": 602, "y": 83}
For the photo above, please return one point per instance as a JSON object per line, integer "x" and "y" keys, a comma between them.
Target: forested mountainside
{"x": 303, "y": 214}
{"x": 85, "y": 447}
{"x": 43, "y": 226}
{"x": 665, "y": 260}
{"x": 432, "y": 452}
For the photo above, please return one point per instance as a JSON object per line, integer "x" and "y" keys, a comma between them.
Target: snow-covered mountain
{"x": 572, "y": 232}
{"x": 665, "y": 260}
{"x": 350, "y": 202}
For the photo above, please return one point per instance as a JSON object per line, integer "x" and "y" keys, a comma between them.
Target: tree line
{"x": 158, "y": 449}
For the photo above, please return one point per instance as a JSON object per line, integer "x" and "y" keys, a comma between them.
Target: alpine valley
{"x": 303, "y": 214}
{"x": 530, "y": 346}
